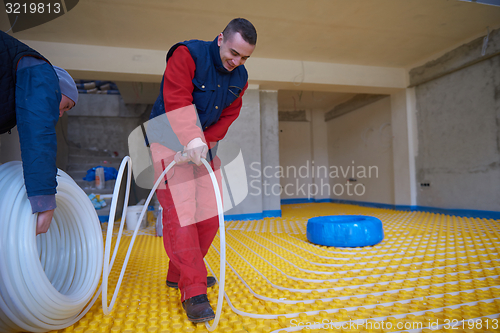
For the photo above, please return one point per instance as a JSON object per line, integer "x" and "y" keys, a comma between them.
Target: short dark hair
{"x": 244, "y": 28}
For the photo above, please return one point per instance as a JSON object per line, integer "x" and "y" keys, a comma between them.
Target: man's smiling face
{"x": 234, "y": 51}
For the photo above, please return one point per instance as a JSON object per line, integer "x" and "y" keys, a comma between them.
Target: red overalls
{"x": 190, "y": 220}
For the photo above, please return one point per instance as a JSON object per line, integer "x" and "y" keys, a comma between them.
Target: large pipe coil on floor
{"x": 46, "y": 280}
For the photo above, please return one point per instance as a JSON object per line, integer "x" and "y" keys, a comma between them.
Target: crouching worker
{"x": 33, "y": 95}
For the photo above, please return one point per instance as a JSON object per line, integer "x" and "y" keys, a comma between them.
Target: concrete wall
{"x": 458, "y": 115}
{"x": 10, "y": 148}
{"x": 303, "y": 151}
{"x": 360, "y": 147}
{"x": 295, "y": 145}
{"x": 104, "y": 122}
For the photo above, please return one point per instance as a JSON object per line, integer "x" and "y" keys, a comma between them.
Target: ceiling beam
{"x": 140, "y": 65}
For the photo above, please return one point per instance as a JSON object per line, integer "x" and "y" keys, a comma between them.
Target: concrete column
{"x": 271, "y": 201}
{"x": 10, "y": 150}
{"x": 319, "y": 149}
{"x": 403, "y": 109}
{"x": 240, "y": 153}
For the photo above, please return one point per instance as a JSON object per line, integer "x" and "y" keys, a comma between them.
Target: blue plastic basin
{"x": 345, "y": 230}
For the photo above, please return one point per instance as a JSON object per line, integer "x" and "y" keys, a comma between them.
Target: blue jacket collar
{"x": 215, "y": 53}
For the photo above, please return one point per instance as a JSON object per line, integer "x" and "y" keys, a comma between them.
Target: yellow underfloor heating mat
{"x": 431, "y": 273}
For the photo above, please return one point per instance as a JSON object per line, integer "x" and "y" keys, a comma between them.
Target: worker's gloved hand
{"x": 195, "y": 150}
{"x": 43, "y": 221}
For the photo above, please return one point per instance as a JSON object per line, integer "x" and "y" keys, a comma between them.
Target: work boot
{"x": 210, "y": 283}
{"x": 198, "y": 309}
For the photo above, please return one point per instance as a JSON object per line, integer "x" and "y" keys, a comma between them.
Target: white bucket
{"x": 100, "y": 181}
{"x": 133, "y": 214}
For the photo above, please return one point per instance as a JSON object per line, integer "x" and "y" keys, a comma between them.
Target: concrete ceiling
{"x": 385, "y": 33}
{"x": 389, "y": 33}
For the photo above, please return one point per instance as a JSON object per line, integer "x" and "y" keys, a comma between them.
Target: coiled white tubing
{"x": 46, "y": 281}
{"x": 50, "y": 286}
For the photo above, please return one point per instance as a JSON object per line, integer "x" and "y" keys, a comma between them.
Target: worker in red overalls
{"x": 201, "y": 95}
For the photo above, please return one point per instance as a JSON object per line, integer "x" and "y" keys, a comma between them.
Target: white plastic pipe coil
{"x": 47, "y": 282}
